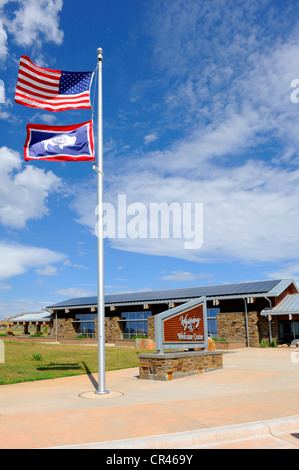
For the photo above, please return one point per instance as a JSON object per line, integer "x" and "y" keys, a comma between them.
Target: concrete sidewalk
{"x": 251, "y": 403}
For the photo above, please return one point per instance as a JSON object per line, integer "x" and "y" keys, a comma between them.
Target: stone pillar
{"x": 253, "y": 329}
{"x": 151, "y": 327}
{"x": 263, "y": 329}
{"x": 25, "y": 328}
{"x": 112, "y": 329}
{"x": 65, "y": 328}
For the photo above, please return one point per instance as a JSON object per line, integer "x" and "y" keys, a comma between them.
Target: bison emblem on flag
{"x": 59, "y": 143}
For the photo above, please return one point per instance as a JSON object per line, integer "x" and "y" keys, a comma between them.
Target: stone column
{"x": 151, "y": 327}
{"x": 253, "y": 329}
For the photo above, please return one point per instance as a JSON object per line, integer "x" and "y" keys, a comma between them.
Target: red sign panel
{"x": 185, "y": 327}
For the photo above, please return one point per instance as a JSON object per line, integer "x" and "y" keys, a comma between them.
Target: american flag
{"x": 54, "y": 90}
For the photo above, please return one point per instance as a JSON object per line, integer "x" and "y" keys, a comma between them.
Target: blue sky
{"x": 197, "y": 109}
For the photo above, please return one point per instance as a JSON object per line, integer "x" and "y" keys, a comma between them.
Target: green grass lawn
{"x": 59, "y": 360}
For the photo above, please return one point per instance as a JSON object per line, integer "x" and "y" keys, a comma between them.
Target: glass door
{"x": 288, "y": 330}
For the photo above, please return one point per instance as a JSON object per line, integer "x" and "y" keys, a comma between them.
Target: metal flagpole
{"x": 100, "y": 288}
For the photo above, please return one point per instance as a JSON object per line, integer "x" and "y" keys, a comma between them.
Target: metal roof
{"x": 28, "y": 317}
{"x": 269, "y": 287}
{"x": 281, "y": 286}
{"x": 289, "y": 305}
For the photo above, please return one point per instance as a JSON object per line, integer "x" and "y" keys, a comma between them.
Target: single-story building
{"x": 246, "y": 312}
{"x": 37, "y": 319}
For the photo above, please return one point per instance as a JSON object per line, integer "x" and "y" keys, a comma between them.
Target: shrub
{"x": 37, "y": 335}
{"x": 273, "y": 344}
{"x": 263, "y": 344}
{"x": 37, "y": 356}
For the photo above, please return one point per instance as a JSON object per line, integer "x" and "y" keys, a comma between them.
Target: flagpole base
{"x": 99, "y": 392}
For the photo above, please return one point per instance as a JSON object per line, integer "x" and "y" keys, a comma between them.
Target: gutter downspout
{"x": 269, "y": 320}
{"x": 246, "y": 322}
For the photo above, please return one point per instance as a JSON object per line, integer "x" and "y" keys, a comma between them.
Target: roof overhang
{"x": 288, "y": 306}
{"x": 164, "y": 301}
{"x": 31, "y": 317}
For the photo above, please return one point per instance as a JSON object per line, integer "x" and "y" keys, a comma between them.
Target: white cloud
{"x": 17, "y": 259}
{"x": 115, "y": 287}
{"x": 3, "y": 41}
{"x": 70, "y": 264}
{"x": 2, "y": 91}
{"x": 46, "y": 118}
{"x": 72, "y": 292}
{"x": 239, "y": 152}
{"x": 19, "y": 306}
{"x": 150, "y": 138}
{"x": 35, "y": 21}
{"x": 29, "y": 23}
{"x": 47, "y": 270}
{"x": 23, "y": 192}
{"x": 250, "y": 211}
{"x": 5, "y": 286}
{"x": 286, "y": 271}
{"x": 184, "y": 276}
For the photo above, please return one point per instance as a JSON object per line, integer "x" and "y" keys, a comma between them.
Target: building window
{"x": 85, "y": 325}
{"x": 212, "y": 322}
{"x": 134, "y": 324}
{"x": 289, "y": 330}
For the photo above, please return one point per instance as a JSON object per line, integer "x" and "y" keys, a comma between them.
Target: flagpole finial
{"x": 100, "y": 52}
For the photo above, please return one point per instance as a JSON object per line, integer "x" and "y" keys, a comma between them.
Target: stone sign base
{"x": 174, "y": 365}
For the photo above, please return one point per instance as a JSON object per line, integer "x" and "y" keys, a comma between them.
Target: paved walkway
{"x": 251, "y": 403}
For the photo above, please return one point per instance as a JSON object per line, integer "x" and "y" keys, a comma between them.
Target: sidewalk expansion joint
{"x": 182, "y": 414}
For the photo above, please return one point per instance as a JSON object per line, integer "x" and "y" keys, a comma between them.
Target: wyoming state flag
{"x": 59, "y": 143}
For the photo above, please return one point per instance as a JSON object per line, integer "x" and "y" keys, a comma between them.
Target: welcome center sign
{"x": 182, "y": 327}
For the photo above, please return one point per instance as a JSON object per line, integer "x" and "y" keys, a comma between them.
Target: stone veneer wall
{"x": 112, "y": 329}
{"x": 263, "y": 327}
{"x": 151, "y": 327}
{"x": 254, "y": 340}
{"x": 168, "y": 366}
{"x": 232, "y": 327}
{"x": 65, "y": 328}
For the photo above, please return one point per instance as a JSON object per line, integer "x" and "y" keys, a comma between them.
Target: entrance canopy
{"x": 288, "y": 306}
